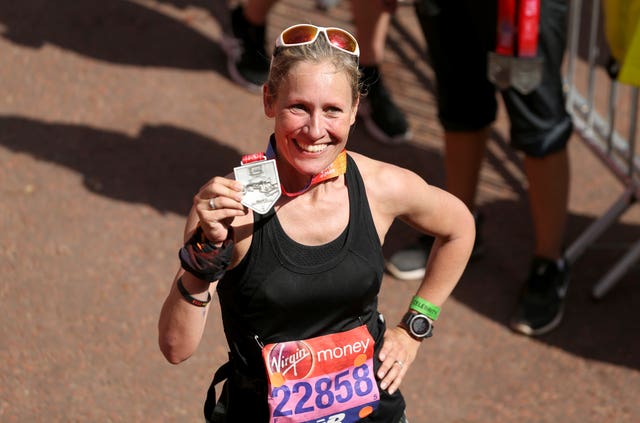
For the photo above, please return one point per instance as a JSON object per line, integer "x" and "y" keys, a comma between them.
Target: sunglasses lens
{"x": 342, "y": 40}
{"x": 299, "y": 34}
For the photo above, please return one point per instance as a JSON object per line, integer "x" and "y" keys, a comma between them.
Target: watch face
{"x": 420, "y": 325}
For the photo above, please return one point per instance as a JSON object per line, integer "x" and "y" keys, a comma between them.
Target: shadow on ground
{"x": 600, "y": 330}
{"x": 116, "y": 31}
{"x": 163, "y": 166}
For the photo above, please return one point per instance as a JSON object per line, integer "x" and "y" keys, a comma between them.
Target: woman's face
{"x": 313, "y": 113}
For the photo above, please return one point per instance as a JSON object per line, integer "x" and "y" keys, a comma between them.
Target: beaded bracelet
{"x": 191, "y": 300}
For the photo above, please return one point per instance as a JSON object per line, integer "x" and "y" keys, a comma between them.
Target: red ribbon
{"x": 506, "y": 27}
{"x": 335, "y": 169}
{"x": 525, "y": 30}
{"x": 528, "y": 27}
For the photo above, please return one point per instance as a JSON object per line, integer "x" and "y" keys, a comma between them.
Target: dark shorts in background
{"x": 459, "y": 35}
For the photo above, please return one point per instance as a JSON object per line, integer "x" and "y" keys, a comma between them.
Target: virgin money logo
{"x": 291, "y": 360}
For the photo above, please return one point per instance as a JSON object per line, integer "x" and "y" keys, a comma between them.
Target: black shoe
{"x": 247, "y": 61}
{"x": 410, "y": 263}
{"x": 382, "y": 118}
{"x": 541, "y": 303}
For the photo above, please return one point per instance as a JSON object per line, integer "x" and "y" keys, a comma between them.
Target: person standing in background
{"x": 248, "y": 62}
{"x": 460, "y": 34}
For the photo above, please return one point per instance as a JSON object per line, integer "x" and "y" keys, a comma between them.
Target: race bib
{"x": 327, "y": 379}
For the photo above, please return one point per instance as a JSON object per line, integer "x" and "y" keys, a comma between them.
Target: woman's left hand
{"x": 398, "y": 352}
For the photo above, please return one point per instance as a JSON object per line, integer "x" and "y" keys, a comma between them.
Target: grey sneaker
{"x": 247, "y": 61}
{"x": 326, "y": 4}
{"x": 384, "y": 121}
{"x": 410, "y": 263}
{"x": 541, "y": 304}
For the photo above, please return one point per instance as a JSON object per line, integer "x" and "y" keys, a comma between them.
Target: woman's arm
{"x": 181, "y": 323}
{"x": 394, "y": 192}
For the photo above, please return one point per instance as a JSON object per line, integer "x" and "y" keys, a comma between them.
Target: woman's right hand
{"x": 217, "y": 203}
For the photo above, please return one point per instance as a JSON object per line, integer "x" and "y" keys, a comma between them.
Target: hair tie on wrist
{"x": 191, "y": 300}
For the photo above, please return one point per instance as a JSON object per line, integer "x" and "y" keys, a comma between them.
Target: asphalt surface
{"x": 113, "y": 113}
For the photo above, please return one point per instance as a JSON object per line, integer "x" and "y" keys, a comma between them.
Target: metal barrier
{"x": 609, "y": 134}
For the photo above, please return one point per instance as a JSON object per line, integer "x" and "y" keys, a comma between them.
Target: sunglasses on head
{"x": 302, "y": 34}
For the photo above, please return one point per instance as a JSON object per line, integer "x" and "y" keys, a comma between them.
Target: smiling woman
{"x": 298, "y": 283}
{"x": 310, "y": 130}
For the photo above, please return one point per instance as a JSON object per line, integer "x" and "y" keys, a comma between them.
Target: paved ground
{"x": 112, "y": 113}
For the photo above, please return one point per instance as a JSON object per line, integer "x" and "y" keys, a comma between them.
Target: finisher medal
{"x": 515, "y": 62}
{"x": 259, "y": 174}
{"x": 261, "y": 184}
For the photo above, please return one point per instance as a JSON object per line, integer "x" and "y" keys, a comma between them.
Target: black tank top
{"x": 283, "y": 291}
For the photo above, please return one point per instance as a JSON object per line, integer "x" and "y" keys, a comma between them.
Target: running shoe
{"x": 541, "y": 304}
{"x": 410, "y": 263}
{"x": 383, "y": 120}
{"x": 247, "y": 61}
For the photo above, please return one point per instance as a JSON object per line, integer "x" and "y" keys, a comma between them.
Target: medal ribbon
{"x": 506, "y": 27}
{"x": 528, "y": 12}
{"x": 529, "y": 25}
{"x": 335, "y": 169}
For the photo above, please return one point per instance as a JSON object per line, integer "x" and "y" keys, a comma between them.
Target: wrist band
{"x": 193, "y": 301}
{"x": 203, "y": 259}
{"x": 425, "y": 307}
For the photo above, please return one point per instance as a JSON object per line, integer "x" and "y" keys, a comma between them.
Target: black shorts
{"x": 459, "y": 35}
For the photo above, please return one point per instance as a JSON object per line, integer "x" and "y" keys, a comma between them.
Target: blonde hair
{"x": 284, "y": 58}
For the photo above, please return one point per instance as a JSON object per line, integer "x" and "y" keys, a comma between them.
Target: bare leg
{"x": 548, "y": 186}
{"x": 256, "y": 11}
{"x": 464, "y": 153}
{"x": 548, "y": 195}
{"x": 371, "y": 23}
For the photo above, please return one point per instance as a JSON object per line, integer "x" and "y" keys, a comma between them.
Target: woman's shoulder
{"x": 393, "y": 187}
{"x": 367, "y": 165}
{"x": 383, "y": 173}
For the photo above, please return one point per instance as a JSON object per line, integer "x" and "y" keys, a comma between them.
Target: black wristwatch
{"x": 417, "y": 325}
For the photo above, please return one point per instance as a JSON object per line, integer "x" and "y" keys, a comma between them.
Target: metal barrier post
{"x": 618, "y": 153}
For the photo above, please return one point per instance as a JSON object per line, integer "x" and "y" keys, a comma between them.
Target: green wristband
{"x": 423, "y": 306}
